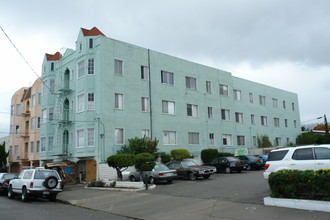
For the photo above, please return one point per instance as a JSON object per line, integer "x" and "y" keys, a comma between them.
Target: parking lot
{"x": 246, "y": 187}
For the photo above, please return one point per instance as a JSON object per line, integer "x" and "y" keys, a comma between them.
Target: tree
{"x": 264, "y": 142}
{"x": 144, "y": 162}
{"x": 139, "y": 145}
{"x": 180, "y": 154}
{"x": 3, "y": 157}
{"x": 121, "y": 162}
{"x": 207, "y": 155}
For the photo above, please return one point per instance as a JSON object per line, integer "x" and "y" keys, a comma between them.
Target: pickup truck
{"x": 36, "y": 182}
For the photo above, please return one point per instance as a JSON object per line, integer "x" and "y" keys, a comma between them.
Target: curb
{"x": 312, "y": 205}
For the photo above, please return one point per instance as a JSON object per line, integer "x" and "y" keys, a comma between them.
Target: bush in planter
{"x": 180, "y": 154}
{"x": 225, "y": 154}
{"x": 121, "y": 162}
{"x": 144, "y": 162}
{"x": 95, "y": 183}
{"x": 297, "y": 184}
{"x": 165, "y": 158}
{"x": 207, "y": 155}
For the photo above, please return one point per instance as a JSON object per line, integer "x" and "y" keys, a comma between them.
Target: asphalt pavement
{"x": 146, "y": 205}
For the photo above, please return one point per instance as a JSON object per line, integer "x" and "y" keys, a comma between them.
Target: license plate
{"x": 168, "y": 174}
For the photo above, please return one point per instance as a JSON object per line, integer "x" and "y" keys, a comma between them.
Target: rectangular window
{"x": 91, "y": 66}
{"x": 32, "y": 123}
{"x": 45, "y": 87}
{"x": 38, "y": 146}
{"x": 90, "y": 101}
{"x": 292, "y": 106}
{"x": 81, "y": 69}
{"x": 144, "y": 73}
{"x": 192, "y": 110}
{"x": 81, "y": 103}
{"x": 262, "y": 100}
{"x": 31, "y": 147}
{"x": 225, "y": 114}
{"x": 119, "y": 136}
{"x": 263, "y": 120}
{"x": 119, "y": 101}
{"x": 39, "y": 98}
{"x": 33, "y": 100}
{"x": 193, "y": 138}
{"x": 44, "y": 115}
{"x": 294, "y": 123}
{"x": 169, "y": 137}
{"x": 275, "y": 103}
{"x": 239, "y": 117}
{"x": 255, "y": 141}
{"x": 43, "y": 144}
{"x": 51, "y": 114}
{"x": 284, "y": 105}
{"x": 252, "y": 119}
{"x": 146, "y": 133}
{"x": 17, "y": 130}
{"x": 226, "y": 140}
{"x": 80, "y": 138}
{"x": 251, "y": 97}
{"x": 276, "y": 122}
{"x": 223, "y": 90}
{"x": 286, "y": 122}
{"x": 278, "y": 141}
{"x": 12, "y": 109}
{"x": 167, "y": 78}
{"x": 91, "y": 43}
{"x": 210, "y": 112}
{"x": 240, "y": 140}
{"x": 208, "y": 87}
{"x": 90, "y": 137}
{"x": 145, "y": 104}
{"x": 50, "y": 143}
{"x": 211, "y": 138}
{"x": 168, "y": 107}
{"x": 18, "y": 109}
{"x": 237, "y": 95}
{"x": 52, "y": 66}
{"x": 191, "y": 83}
{"x": 38, "y": 122}
{"x": 118, "y": 67}
{"x": 52, "y": 85}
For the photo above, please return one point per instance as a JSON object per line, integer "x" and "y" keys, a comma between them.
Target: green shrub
{"x": 225, "y": 154}
{"x": 207, "y": 155}
{"x": 144, "y": 162}
{"x": 121, "y": 162}
{"x": 180, "y": 154}
{"x": 95, "y": 183}
{"x": 297, "y": 184}
{"x": 165, "y": 158}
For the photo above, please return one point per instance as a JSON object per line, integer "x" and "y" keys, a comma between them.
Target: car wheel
{"x": 152, "y": 180}
{"x": 50, "y": 182}
{"x": 52, "y": 197}
{"x": 206, "y": 176}
{"x": 132, "y": 179}
{"x": 192, "y": 176}
{"x": 25, "y": 196}
{"x": 11, "y": 194}
{"x": 228, "y": 170}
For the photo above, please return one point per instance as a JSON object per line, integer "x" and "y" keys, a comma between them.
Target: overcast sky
{"x": 280, "y": 43}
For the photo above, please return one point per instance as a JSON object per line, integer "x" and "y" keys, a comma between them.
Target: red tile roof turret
{"x": 92, "y": 32}
{"x": 56, "y": 56}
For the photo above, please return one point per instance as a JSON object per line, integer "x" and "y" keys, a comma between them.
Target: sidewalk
{"x": 142, "y": 205}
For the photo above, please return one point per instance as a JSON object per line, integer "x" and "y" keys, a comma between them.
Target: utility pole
{"x": 326, "y": 124}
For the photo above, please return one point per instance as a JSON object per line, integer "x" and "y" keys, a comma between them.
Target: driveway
{"x": 246, "y": 187}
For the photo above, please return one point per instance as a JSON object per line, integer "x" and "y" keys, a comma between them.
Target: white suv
{"x": 309, "y": 157}
{"x": 35, "y": 182}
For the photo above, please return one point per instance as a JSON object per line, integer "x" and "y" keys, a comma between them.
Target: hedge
{"x": 297, "y": 184}
{"x": 180, "y": 154}
{"x": 207, "y": 155}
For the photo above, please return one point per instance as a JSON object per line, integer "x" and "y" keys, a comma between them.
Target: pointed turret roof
{"x": 92, "y": 32}
{"x": 56, "y": 56}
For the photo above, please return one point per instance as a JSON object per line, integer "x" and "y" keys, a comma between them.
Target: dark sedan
{"x": 191, "y": 170}
{"x": 253, "y": 161}
{"x": 4, "y": 180}
{"x": 227, "y": 164}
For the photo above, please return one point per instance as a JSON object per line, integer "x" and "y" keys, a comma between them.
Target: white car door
{"x": 322, "y": 158}
{"x": 302, "y": 159}
{"x": 17, "y": 183}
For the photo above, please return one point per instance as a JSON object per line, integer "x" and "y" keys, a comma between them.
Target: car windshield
{"x": 9, "y": 176}
{"x": 43, "y": 174}
{"x": 160, "y": 167}
{"x": 188, "y": 163}
{"x": 233, "y": 159}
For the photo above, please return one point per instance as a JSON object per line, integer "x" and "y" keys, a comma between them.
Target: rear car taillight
{"x": 31, "y": 184}
{"x": 238, "y": 164}
{"x": 6, "y": 183}
{"x": 175, "y": 172}
{"x": 258, "y": 161}
{"x": 161, "y": 174}
{"x": 266, "y": 166}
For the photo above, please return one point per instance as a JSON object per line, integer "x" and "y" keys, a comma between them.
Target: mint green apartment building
{"x": 106, "y": 91}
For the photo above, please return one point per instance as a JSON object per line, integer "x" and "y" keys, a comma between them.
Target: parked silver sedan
{"x": 159, "y": 173}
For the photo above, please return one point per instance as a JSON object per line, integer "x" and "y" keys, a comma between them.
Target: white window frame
{"x": 80, "y": 138}
{"x": 237, "y": 95}
{"x": 90, "y": 137}
{"x": 192, "y": 110}
{"x": 42, "y": 144}
{"x": 91, "y": 101}
{"x": 208, "y": 86}
{"x": 51, "y": 85}
{"x": 31, "y": 147}
{"x": 211, "y": 139}
{"x": 80, "y": 103}
{"x": 210, "y": 112}
{"x": 191, "y": 83}
{"x": 251, "y": 97}
{"x": 168, "y": 107}
{"x": 146, "y": 133}
{"x": 50, "y": 146}
{"x": 33, "y": 100}
{"x": 44, "y": 115}
{"x": 169, "y": 137}
{"x": 264, "y": 121}
{"x": 91, "y": 66}
{"x": 240, "y": 140}
{"x": 144, "y": 73}
{"x": 262, "y": 100}
{"x": 227, "y": 140}
{"x": 50, "y": 114}
{"x": 239, "y": 117}
{"x": 167, "y": 78}
{"x": 119, "y": 101}
{"x": 193, "y": 138}
{"x": 225, "y": 114}
{"x": 119, "y": 136}
{"x": 145, "y": 104}
{"x": 276, "y": 122}
{"x": 80, "y": 69}
{"x": 224, "y": 90}
{"x": 275, "y": 103}
{"x": 32, "y": 125}
{"x": 119, "y": 67}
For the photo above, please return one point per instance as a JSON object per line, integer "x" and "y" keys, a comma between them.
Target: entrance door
{"x": 90, "y": 170}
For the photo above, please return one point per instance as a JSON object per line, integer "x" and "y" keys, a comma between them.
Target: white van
{"x": 309, "y": 157}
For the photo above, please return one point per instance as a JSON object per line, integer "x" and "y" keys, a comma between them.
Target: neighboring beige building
{"x": 25, "y": 128}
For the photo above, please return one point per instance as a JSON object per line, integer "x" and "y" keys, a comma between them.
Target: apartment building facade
{"x": 24, "y": 138}
{"x": 106, "y": 91}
